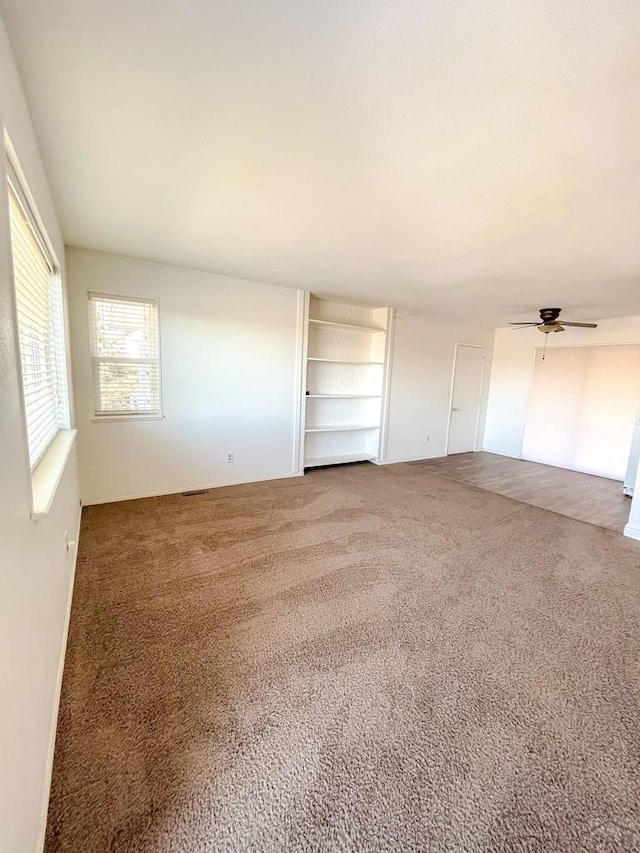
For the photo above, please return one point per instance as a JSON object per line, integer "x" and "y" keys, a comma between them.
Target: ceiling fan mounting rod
{"x": 549, "y": 315}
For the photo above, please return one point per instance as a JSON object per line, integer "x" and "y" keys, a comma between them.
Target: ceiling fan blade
{"x": 522, "y": 325}
{"x": 580, "y": 325}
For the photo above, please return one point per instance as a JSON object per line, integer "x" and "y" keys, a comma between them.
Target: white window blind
{"x": 39, "y": 311}
{"x": 124, "y": 355}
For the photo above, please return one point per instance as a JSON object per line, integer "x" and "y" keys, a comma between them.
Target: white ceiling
{"x": 476, "y": 159}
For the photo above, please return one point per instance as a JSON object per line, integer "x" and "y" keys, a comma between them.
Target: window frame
{"x": 132, "y": 415}
{"x": 17, "y": 187}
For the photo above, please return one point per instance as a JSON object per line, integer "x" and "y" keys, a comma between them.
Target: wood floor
{"x": 595, "y": 500}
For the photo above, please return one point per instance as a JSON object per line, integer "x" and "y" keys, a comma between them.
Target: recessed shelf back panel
{"x": 335, "y": 378}
{"x": 327, "y": 411}
{"x": 330, "y": 342}
{"x": 343, "y": 312}
{"x": 319, "y": 445}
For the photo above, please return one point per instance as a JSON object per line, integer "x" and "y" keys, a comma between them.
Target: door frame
{"x": 530, "y": 393}
{"x": 562, "y": 346}
{"x": 453, "y": 379}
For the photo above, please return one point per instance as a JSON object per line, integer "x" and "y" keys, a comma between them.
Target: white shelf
{"x": 344, "y": 396}
{"x": 343, "y": 428}
{"x": 342, "y": 361}
{"x": 350, "y": 327}
{"x": 338, "y": 460}
{"x": 345, "y": 376}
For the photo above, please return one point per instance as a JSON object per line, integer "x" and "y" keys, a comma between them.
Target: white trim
{"x": 453, "y": 379}
{"x": 117, "y": 297}
{"x": 386, "y": 387}
{"x": 191, "y": 488}
{"x": 46, "y": 788}
{"x": 47, "y": 473}
{"x": 501, "y": 453}
{"x": 480, "y": 390}
{"x": 101, "y": 419}
{"x": 632, "y": 531}
{"x": 300, "y": 381}
{"x": 13, "y": 161}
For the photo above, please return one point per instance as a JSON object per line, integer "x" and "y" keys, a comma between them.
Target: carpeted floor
{"x": 364, "y": 659}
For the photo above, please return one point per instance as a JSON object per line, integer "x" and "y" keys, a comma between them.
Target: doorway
{"x": 466, "y": 391}
{"x": 583, "y": 406}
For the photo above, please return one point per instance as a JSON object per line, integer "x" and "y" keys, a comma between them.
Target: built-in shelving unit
{"x": 342, "y": 427}
{"x": 359, "y": 327}
{"x": 346, "y": 375}
{"x": 340, "y": 459}
{"x": 343, "y": 396}
{"x": 344, "y": 361}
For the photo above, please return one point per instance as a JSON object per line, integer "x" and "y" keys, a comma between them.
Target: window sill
{"x": 47, "y": 473}
{"x": 107, "y": 419}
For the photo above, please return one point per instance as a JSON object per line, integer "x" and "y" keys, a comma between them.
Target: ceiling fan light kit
{"x": 546, "y": 328}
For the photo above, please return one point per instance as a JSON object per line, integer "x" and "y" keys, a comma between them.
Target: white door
{"x": 465, "y": 398}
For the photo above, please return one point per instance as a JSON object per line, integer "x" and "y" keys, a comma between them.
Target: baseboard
{"x": 411, "y": 459}
{"x": 191, "y": 488}
{"x": 56, "y": 703}
{"x": 500, "y": 453}
{"x": 632, "y": 531}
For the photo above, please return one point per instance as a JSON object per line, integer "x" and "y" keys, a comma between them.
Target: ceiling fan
{"x": 549, "y": 322}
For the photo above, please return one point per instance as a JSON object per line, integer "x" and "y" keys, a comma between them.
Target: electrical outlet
{"x": 231, "y": 456}
{"x": 69, "y": 544}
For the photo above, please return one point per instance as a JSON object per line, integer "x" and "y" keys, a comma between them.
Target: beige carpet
{"x": 365, "y": 659}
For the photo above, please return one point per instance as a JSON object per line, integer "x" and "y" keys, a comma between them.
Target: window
{"x": 39, "y": 309}
{"x": 124, "y": 355}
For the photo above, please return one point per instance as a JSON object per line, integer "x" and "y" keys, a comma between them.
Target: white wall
{"x": 421, "y": 372}
{"x": 230, "y": 363}
{"x": 231, "y": 357}
{"x": 512, "y": 371}
{"x": 35, "y": 568}
{"x": 583, "y": 405}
